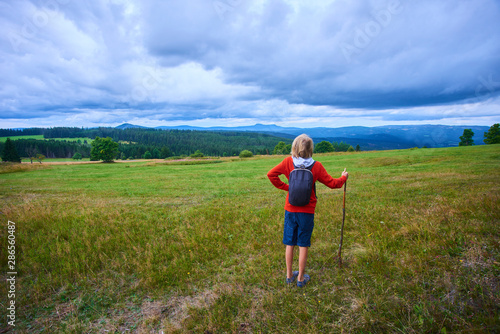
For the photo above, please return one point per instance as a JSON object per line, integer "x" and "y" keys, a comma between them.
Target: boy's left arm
{"x": 328, "y": 180}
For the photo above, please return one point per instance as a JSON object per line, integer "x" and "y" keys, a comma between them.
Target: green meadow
{"x": 37, "y": 137}
{"x": 41, "y": 137}
{"x": 46, "y": 160}
{"x": 147, "y": 247}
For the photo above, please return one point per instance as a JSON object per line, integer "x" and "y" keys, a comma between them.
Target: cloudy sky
{"x": 240, "y": 62}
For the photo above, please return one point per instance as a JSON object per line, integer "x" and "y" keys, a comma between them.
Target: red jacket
{"x": 319, "y": 174}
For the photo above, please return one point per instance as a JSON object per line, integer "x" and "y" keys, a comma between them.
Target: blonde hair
{"x": 302, "y": 147}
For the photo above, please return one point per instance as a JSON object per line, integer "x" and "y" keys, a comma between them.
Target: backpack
{"x": 300, "y": 185}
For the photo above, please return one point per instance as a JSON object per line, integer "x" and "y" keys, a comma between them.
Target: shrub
{"x": 246, "y": 154}
{"x": 197, "y": 154}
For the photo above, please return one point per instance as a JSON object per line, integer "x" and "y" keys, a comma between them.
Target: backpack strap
{"x": 314, "y": 183}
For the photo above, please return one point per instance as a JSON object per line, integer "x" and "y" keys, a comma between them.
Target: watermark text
{"x": 11, "y": 274}
{"x": 365, "y": 34}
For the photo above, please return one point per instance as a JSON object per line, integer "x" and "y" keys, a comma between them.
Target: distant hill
{"x": 130, "y": 126}
{"x": 369, "y": 138}
{"x": 398, "y": 136}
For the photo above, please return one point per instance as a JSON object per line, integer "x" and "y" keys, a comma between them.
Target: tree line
{"x": 49, "y": 148}
{"x": 136, "y": 143}
{"x": 133, "y": 143}
{"x": 326, "y": 146}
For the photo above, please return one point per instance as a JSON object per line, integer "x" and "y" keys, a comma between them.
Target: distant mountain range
{"x": 368, "y": 138}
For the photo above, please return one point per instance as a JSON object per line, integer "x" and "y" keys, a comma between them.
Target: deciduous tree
{"x": 280, "y": 148}
{"x": 40, "y": 157}
{"x": 31, "y": 152}
{"x": 324, "y": 147}
{"x": 104, "y": 149}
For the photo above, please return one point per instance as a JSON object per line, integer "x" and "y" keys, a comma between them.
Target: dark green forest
{"x": 135, "y": 142}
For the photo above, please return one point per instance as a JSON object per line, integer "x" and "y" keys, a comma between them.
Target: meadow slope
{"x": 148, "y": 247}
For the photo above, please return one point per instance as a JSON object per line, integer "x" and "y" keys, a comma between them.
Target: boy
{"x": 299, "y": 220}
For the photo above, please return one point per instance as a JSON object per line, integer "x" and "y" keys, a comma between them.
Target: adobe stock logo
{"x": 365, "y": 34}
{"x": 486, "y": 88}
{"x": 38, "y": 20}
{"x": 223, "y": 7}
{"x": 150, "y": 82}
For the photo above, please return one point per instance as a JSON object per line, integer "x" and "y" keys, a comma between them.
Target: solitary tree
{"x": 350, "y": 149}
{"x": 31, "y": 152}
{"x": 358, "y": 149}
{"x": 466, "y": 138}
{"x": 493, "y": 135}
{"x": 147, "y": 155}
{"x": 10, "y": 152}
{"x": 40, "y": 157}
{"x": 104, "y": 149}
{"x": 324, "y": 147}
{"x": 77, "y": 156}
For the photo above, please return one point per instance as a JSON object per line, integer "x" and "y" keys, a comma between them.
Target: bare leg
{"x": 289, "y": 261}
{"x": 302, "y": 262}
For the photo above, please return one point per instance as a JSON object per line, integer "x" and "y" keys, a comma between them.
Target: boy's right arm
{"x": 274, "y": 176}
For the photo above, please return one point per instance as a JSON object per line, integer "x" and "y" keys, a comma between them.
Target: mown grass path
{"x": 150, "y": 247}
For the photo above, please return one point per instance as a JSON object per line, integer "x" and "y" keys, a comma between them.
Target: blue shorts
{"x": 298, "y": 229}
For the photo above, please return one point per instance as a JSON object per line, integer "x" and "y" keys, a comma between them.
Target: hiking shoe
{"x": 307, "y": 278}
{"x": 294, "y": 276}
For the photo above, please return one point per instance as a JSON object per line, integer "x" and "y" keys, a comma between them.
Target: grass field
{"x": 46, "y": 160}
{"x": 40, "y": 137}
{"x": 149, "y": 247}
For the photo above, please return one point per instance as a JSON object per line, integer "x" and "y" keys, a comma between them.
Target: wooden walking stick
{"x": 342, "y": 228}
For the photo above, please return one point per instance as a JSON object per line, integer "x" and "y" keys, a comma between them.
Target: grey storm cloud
{"x": 369, "y": 54}
{"x": 200, "y": 59}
